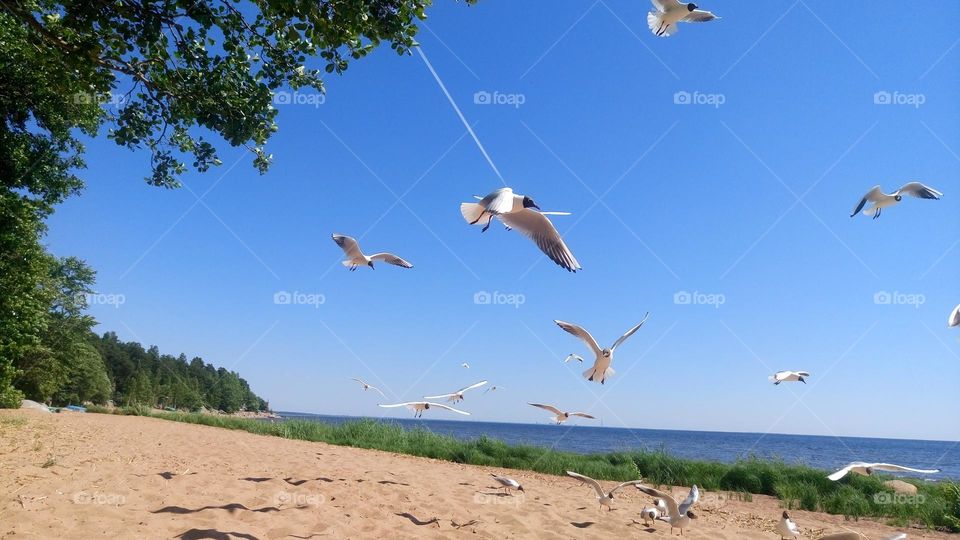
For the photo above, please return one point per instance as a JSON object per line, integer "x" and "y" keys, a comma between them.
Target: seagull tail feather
{"x": 472, "y": 212}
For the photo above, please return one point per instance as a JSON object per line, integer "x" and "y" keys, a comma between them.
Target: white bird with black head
{"x": 663, "y": 20}
{"x": 356, "y": 258}
{"x": 678, "y": 515}
{"x": 881, "y": 200}
{"x": 602, "y": 357}
{"x": 603, "y": 497}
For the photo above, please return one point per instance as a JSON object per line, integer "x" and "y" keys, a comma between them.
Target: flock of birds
{"x": 521, "y": 213}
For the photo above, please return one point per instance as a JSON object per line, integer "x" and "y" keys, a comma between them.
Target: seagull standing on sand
{"x": 507, "y": 483}
{"x": 457, "y": 396}
{"x": 603, "y": 357}
{"x": 560, "y": 416}
{"x": 368, "y": 386}
{"x": 883, "y": 200}
{"x": 604, "y": 498}
{"x": 867, "y": 469}
{"x": 789, "y": 376}
{"x": 517, "y": 212}
{"x": 663, "y": 20}
{"x": 356, "y": 258}
{"x": 419, "y": 406}
{"x": 651, "y": 514}
{"x": 954, "y": 319}
{"x": 786, "y": 528}
{"x": 678, "y": 516}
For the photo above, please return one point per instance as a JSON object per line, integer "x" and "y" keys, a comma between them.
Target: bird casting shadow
{"x": 494, "y": 493}
{"x": 392, "y": 483}
{"x": 168, "y": 475}
{"x": 232, "y": 507}
{"x": 583, "y": 524}
{"x": 213, "y": 534}
{"x": 293, "y": 482}
{"x": 257, "y": 479}
{"x": 416, "y": 521}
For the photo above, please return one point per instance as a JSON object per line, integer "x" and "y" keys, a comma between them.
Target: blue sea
{"x": 823, "y": 452}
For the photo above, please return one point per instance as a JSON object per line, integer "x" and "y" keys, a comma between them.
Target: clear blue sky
{"x": 695, "y": 198}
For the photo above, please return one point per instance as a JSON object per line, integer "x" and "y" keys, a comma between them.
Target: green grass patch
{"x": 936, "y": 505}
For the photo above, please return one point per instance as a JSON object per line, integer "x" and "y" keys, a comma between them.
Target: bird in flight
{"x": 789, "y": 376}
{"x": 603, "y": 497}
{"x": 667, "y": 13}
{"x": 356, "y": 258}
{"x": 678, "y": 515}
{"x": 868, "y": 469}
{"x": 561, "y": 416}
{"x": 419, "y": 406}
{"x": 368, "y": 386}
{"x": 883, "y": 200}
{"x": 457, "y": 396}
{"x": 603, "y": 357}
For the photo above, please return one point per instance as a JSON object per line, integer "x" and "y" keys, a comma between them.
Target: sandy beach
{"x": 74, "y": 475}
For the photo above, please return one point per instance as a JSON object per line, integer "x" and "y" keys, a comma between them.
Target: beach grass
{"x": 936, "y": 504}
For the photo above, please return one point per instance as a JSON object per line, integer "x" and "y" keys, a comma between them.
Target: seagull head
{"x": 606, "y": 353}
{"x": 528, "y": 203}
{"x": 370, "y": 264}
{"x": 426, "y": 405}
{"x": 691, "y": 515}
{"x": 898, "y": 197}
{"x": 691, "y": 6}
{"x": 520, "y": 488}
{"x": 786, "y": 515}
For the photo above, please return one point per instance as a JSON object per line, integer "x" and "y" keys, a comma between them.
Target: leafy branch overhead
{"x": 173, "y": 66}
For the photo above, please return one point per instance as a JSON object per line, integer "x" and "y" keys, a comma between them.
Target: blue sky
{"x": 743, "y": 197}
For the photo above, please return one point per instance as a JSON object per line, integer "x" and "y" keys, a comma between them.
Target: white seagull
{"x": 649, "y": 515}
{"x": 604, "y": 357}
{"x": 561, "y": 416}
{"x": 883, "y": 200}
{"x": 368, "y": 386}
{"x": 867, "y": 469}
{"x": 789, "y": 376}
{"x": 356, "y": 258}
{"x": 678, "y": 516}
{"x": 457, "y": 396}
{"x": 663, "y": 20}
{"x": 419, "y": 406}
{"x": 507, "y": 483}
{"x": 787, "y": 528}
{"x": 954, "y": 319}
{"x": 465, "y": 365}
{"x": 604, "y": 498}
{"x": 572, "y": 356}
{"x": 492, "y": 388}
{"x": 517, "y": 212}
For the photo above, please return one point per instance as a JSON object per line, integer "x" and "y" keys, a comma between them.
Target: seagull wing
{"x": 550, "y": 408}
{"x": 625, "y": 484}
{"x": 672, "y": 508}
{"x": 843, "y": 472}
{"x": 582, "y": 334}
{"x": 498, "y": 202}
{"x": 589, "y": 481}
{"x": 378, "y": 390}
{"x": 630, "y": 332}
{"x": 349, "y": 246}
{"x": 916, "y": 189}
{"x": 664, "y": 5}
{"x": 803, "y": 373}
{"x": 472, "y": 386}
{"x": 691, "y": 500}
{"x": 359, "y": 381}
{"x": 441, "y": 396}
{"x": 583, "y": 414}
{"x": 442, "y": 406}
{"x": 900, "y": 468}
{"x": 390, "y": 258}
{"x": 571, "y": 356}
{"x": 954, "y": 319}
{"x": 871, "y": 196}
{"x": 538, "y": 228}
{"x": 407, "y": 404}
{"x": 699, "y": 15}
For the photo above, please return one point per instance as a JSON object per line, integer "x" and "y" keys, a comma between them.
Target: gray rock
{"x": 28, "y": 404}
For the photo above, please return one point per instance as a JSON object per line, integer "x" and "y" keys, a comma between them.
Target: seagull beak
{"x": 535, "y": 206}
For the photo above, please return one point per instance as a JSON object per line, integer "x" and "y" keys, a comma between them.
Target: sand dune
{"x": 75, "y": 475}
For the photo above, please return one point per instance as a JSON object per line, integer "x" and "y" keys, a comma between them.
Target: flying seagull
{"x": 867, "y": 469}
{"x": 356, "y": 258}
{"x": 457, "y": 396}
{"x": 561, "y": 416}
{"x": 663, "y": 20}
{"x": 787, "y": 528}
{"x": 572, "y": 356}
{"x": 678, "y": 516}
{"x": 789, "y": 376}
{"x": 368, "y": 386}
{"x": 882, "y": 200}
{"x": 604, "y": 498}
{"x": 419, "y": 406}
{"x": 465, "y": 365}
{"x": 517, "y": 212}
{"x": 492, "y": 388}
{"x": 604, "y": 357}
{"x": 954, "y": 319}
{"x": 507, "y": 483}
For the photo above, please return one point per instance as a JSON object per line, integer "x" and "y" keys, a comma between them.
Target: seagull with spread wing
{"x": 868, "y": 469}
{"x": 603, "y": 357}
{"x": 663, "y": 20}
{"x": 457, "y": 396}
{"x": 419, "y": 406}
{"x": 561, "y": 416}
{"x": 789, "y": 376}
{"x": 368, "y": 386}
{"x": 881, "y": 200}
{"x": 603, "y": 497}
{"x": 356, "y": 258}
{"x": 678, "y": 515}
